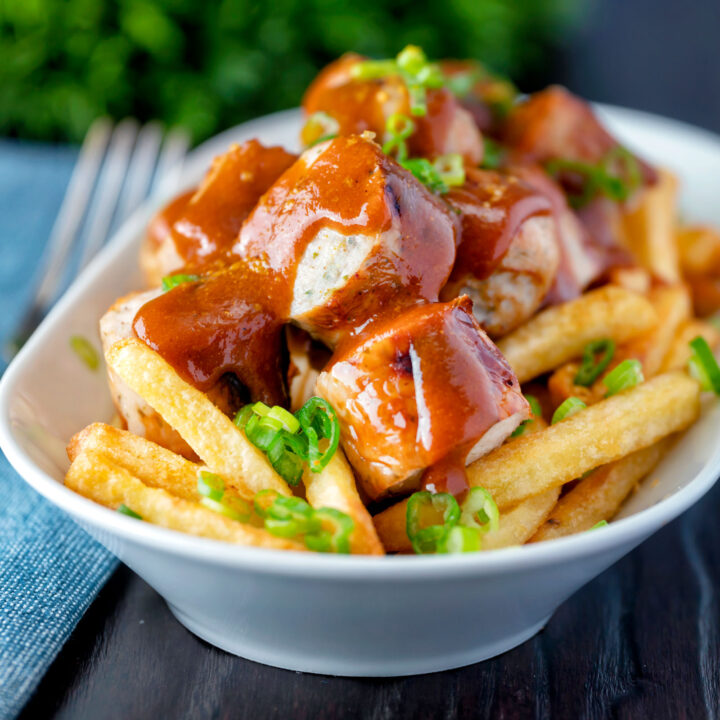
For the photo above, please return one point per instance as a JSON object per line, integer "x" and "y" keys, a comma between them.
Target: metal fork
{"x": 117, "y": 168}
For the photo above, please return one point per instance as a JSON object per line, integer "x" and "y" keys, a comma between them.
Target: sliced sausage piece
{"x": 417, "y": 389}
{"x": 509, "y": 249}
{"x": 136, "y": 415}
{"x": 365, "y": 105}
{"x": 196, "y": 230}
{"x": 352, "y": 235}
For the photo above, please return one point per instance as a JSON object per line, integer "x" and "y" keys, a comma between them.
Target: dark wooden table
{"x": 640, "y": 641}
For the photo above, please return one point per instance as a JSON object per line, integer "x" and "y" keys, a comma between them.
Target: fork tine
{"x": 105, "y": 201}
{"x": 64, "y": 233}
{"x": 142, "y": 167}
{"x": 72, "y": 210}
{"x": 169, "y": 166}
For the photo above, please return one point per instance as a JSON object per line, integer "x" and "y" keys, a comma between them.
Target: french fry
{"x": 680, "y": 351}
{"x": 649, "y": 229}
{"x": 147, "y": 461}
{"x": 334, "y": 487}
{"x": 98, "y": 478}
{"x": 516, "y": 525}
{"x": 209, "y": 432}
{"x": 602, "y": 433}
{"x": 672, "y": 304}
{"x": 560, "y": 333}
{"x": 599, "y": 496}
{"x": 699, "y": 248}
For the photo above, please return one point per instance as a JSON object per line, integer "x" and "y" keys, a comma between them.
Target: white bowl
{"x": 324, "y": 614}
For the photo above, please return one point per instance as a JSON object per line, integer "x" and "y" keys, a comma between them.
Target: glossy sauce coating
{"x": 365, "y": 105}
{"x": 350, "y": 187}
{"x": 492, "y": 209}
{"x": 419, "y": 391}
{"x": 227, "y": 322}
{"x": 204, "y": 228}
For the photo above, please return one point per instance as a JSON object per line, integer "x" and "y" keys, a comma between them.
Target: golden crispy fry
{"x": 560, "y": 333}
{"x": 635, "y": 279}
{"x": 97, "y": 477}
{"x": 599, "y": 496}
{"x": 602, "y": 433}
{"x": 649, "y": 229}
{"x": 679, "y": 353}
{"x": 210, "y": 433}
{"x": 334, "y": 487}
{"x": 517, "y": 523}
{"x": 672, "y": 304}
{"x": 699, "y": 248}
{"x": 147, "y": 461}
{"x": 521, "y": 522}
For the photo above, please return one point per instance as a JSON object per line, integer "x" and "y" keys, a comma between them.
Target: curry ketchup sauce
{"x": 492, "y": 208}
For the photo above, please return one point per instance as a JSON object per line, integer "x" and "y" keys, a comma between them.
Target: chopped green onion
{"x": 289, "y": 517}
{"x": 319, "y": 127}
{"x": 333, "y": 531}
{"x": 479, "y": 510}
{"x": 429, "y": 517}
{"x": 451, "y": 169}
{"x": 593, "y": 367}
{"x": 263, "y": 500}
{"x": 602, "y": 523}
{"x": 230, "y": 506}
{"x": 286, "y": 463}
{"x": 536, "y": 411}
{"x": 703, "y": 366}
{"x": 399, "y": 127}
{"x": 412, "y": 65}
{"x": 318, "y": 421}
{"x": 171, "y": 281}
{"x": 568, "y": 408}
{"x": 617, "y": 176}
{"x": 288, "y": 421}
{"x": 624, "y": 376}
{"x": 493, "y": 154}
{"x": 210, "y": 485}
{"x": 426, "y": 173}
{"x": 242, "y": 416}
{"x": 535, "y": 408}
{"x": 85, "y": 351}
{"x": 461, "y": 539}
{"x": 125, "y": 510}
{"x": 461, "y": 83}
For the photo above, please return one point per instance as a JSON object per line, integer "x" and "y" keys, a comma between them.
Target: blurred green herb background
{"x": 208, "y": 65}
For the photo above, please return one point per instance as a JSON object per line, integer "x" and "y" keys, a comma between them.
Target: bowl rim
{"x": 622, "y": 532}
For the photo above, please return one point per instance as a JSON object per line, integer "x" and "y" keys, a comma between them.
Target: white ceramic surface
{"x": 325, "y": 614}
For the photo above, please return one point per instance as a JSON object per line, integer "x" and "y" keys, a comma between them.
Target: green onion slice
{"x": 263, "y": 501}
{"x": 461, "y": 539}
{"x": 592, "y": 366}
{"x": 451, "y": 169}
{"x": 230, "y": 506}
{"x": 332, "y": 533}
{"x": 125, "y": 510}
{"x": 318, "y": 421}
{"x": 287, "y": 419}
{"x": 536, "y": 411}
{"x": 602, "y": 523}
{"x": 617, "y": 176}
{"x": 399, "y": 128}
{"x": 624, "y": 376}
{"x": 479, "y": 510}
{"x": 703, "y": 366}
{"x": 412, "y": 65}
{"x": 568, "y": 408}
{"x": 426, "y": 173}
{"x": 171, "y": 281}
{"x": 210, "y": 485}
{"x": 429, "y": 517}
{"x": 82, "y": 347}
{"x": 320, "y": 127}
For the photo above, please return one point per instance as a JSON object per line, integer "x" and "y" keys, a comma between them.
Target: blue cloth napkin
{"x": 50, "y": 569}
